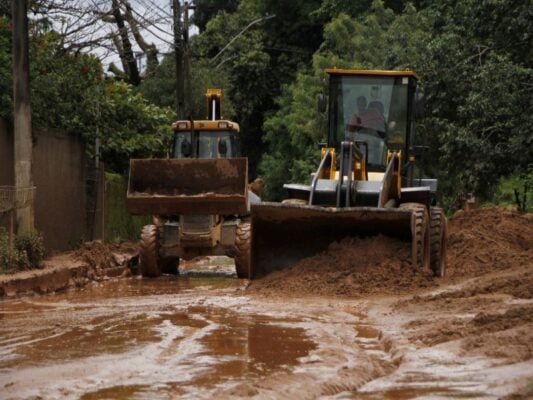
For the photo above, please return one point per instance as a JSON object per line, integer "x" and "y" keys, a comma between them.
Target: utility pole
{"x": 186, "y": 71}
{"x": 181, "y": 48}
{"x": 178, "y": 50}
{"x": 22, "y": 112}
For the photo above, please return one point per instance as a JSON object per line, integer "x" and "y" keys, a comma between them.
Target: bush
{"x": 119, "y": 223}
{"x": 28, "y": 251}
{"x": 521, "y": 183}
{"x": 32, "y": 245}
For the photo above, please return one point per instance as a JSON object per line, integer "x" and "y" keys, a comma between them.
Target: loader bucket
{"x": 283, "y": 234}
{"x": 188, "y": 186}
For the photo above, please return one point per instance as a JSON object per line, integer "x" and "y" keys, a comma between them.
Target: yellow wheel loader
{"x": 199, "y": 198}
{"x": 364, "y": 183}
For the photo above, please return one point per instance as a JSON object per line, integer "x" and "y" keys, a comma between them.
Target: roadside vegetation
{"x": 27, "y": 252}
{"x": 473, "y": 57}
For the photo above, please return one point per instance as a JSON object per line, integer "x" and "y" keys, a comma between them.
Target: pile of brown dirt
{"x": 479, "y": 242}
{"x": 102, "y": 256}
{"x": 352, "y": 267}
{"x": 489, "y": 311}
{"x": 487, "y": 240}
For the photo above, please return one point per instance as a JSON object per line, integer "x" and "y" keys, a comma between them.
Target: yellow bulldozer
{"x": 364, "y": 184}
{"x": 198, "y": 199}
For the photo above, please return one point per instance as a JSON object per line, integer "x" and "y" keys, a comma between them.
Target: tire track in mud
{"x": 350, "y": 352}
{"x": 198, "y": 343}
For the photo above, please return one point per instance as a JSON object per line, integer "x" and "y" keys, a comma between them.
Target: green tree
{"x": 293, "y": 132}
{"x": 208, "y": 9}
{"x": 476, "y": 68}
{"x": 160, "y": 87}
{"x": 474, "y": 59}
{"x": 246, "y": 64}
{"x": 68, "y": 92}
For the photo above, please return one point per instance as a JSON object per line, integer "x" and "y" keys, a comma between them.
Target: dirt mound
{"x": 479, "y": 242}
{"x": 102, "y": 256}
{"x": 487, "y": 240}
{"x": 352, "y": 267}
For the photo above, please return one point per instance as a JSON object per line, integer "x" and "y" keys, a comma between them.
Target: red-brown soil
{"x": 352, "y": 267}
{"x": 480, "y": 242}
{"x": 488, "y": 240}
{"x": 94, "y": 261}
{"x": 483, "y": 306}
{"x": 100, "y": 256}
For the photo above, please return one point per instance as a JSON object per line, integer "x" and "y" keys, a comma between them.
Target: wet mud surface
{"x": 188, "y": 337}
{"x": 349, "y": 323}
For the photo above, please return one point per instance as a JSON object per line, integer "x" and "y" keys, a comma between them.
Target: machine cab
{"x": 374, "y": 107}
{"x": 213, "y": 137}
{"x": 205, "y": 139}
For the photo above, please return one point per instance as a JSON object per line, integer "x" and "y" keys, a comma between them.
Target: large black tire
{"x": 149, "y": 252}
{"x": 438, "y": 241}
{"x": 167, "y": 265}
{"x": 242, "y": 250}
{"x": 420, "y": 235}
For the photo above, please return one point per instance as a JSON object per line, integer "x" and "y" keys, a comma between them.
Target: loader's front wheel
{"x": 242, "y": 250}
{"x": 149, "y": 251}
{"x": 438, "y": 241}
{"x": 420, "y": 234}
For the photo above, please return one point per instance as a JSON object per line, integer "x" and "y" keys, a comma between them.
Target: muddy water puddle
{"x": 200, "y": 337}
{"x": 142, "y": 339}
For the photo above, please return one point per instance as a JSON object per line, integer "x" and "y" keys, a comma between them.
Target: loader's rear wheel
{"x": 420, "y": 235}
{"x": 438, "y": 241}
{"x": 242, "y": 250}
{"x": 149, "y": 251}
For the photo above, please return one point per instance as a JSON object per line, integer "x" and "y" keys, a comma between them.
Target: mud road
{"x": 183, "y": 337}
{"x": 293, "y": 335}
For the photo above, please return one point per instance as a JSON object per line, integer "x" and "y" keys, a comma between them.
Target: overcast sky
{"x": 153, "y": 16}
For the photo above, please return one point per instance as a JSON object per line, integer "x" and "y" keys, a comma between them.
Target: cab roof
{"x": 206, "y": 125}
{"x": 371, "y": 72}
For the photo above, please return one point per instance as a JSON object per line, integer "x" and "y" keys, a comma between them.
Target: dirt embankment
{"x": 480, "y": 242}
{"x": 484, "y": 305}
{"x": 94, "y": 261}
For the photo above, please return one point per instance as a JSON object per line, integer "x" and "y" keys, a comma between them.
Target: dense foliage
{"x": 476, "y": 75}
{"x": 474, "y": 57}
{"x": 26, "y": 253}
{"x": 69, "y": 92}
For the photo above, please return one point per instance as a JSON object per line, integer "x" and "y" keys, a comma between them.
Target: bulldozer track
{"x": 242, "y": 250}
{"x": 148, "y": 251}
{"x": 420, "y": 240}
{"x": 438, "y": 241}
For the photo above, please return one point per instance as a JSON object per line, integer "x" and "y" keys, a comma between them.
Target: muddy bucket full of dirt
{"x": 283, "y": 234}
{"x": 187, "y": 186}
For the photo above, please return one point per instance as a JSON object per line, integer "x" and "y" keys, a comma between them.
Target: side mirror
{"x": 322, "y": 102}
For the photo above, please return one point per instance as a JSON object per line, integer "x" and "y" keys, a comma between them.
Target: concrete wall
{"x": 60, "y": 203}
{"x": 60, "y": 177}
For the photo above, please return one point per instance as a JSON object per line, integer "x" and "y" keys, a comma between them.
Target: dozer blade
{"x": 187, "y": 186}
{"x": 283, "y": 234}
